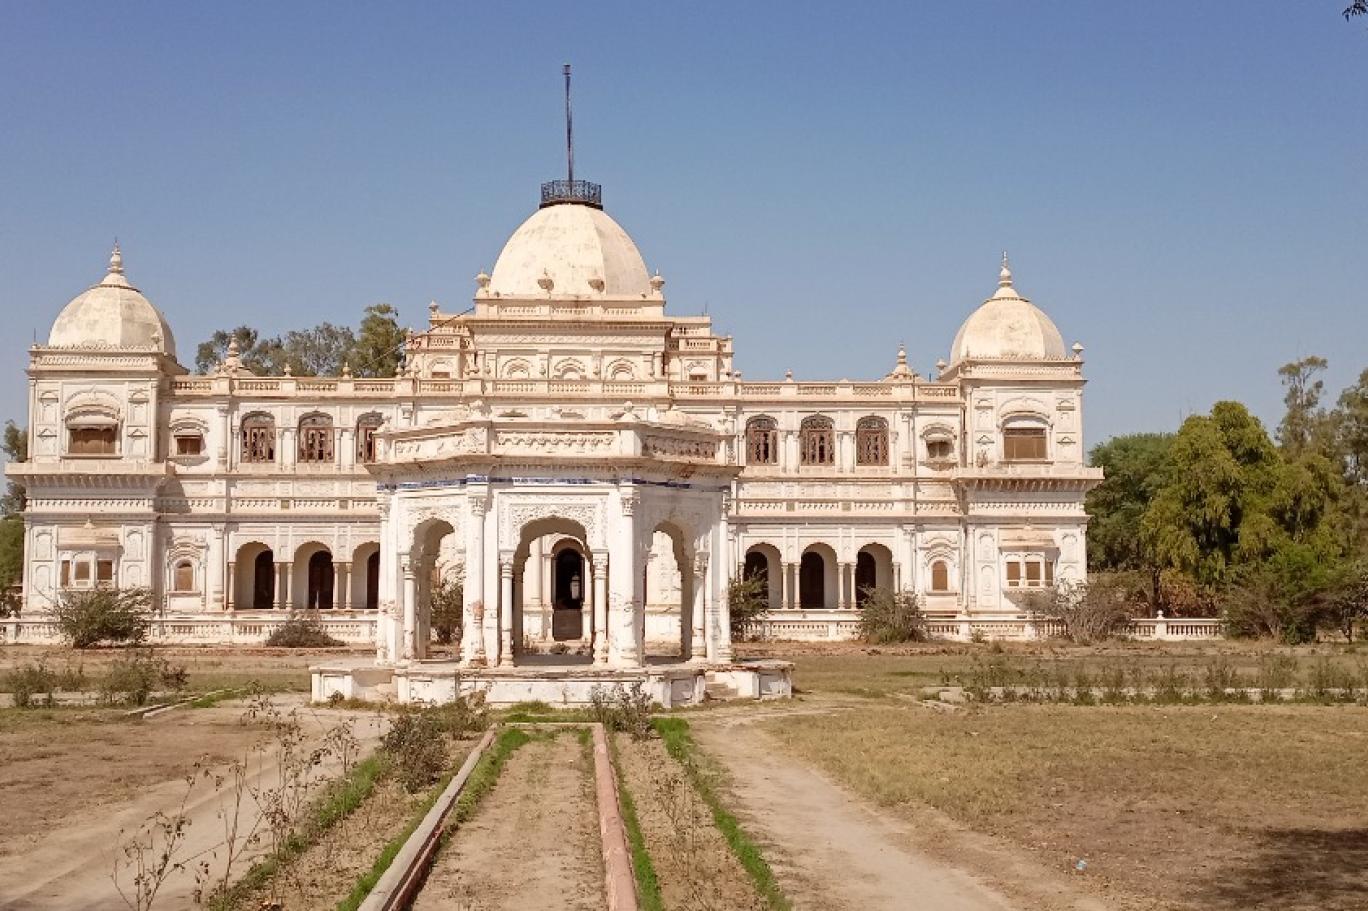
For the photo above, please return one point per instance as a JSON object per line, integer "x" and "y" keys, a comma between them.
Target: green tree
{"x": 1351, "y": 426}
{"x": 15, "y": 446}
{"x": 1136, "y": 466}
{"x": 1305, "y": 425}
{"x": 209, "y": 354}
{"x": 320, "y": 351}
{"x": 380, "y": 342}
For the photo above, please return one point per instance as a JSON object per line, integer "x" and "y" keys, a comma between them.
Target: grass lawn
{"x": 1211, "y": 807}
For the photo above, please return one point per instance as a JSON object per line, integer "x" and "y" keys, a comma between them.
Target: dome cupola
{"x": 112, "y": 314}
{"x": 571, "y": 247}
{"x": 1007, "y": 326}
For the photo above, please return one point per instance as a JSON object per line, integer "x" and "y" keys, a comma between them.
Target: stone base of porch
{"x": 559, "y": 685}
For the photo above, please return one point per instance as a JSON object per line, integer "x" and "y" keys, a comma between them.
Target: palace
{"x": 591, "y": 465}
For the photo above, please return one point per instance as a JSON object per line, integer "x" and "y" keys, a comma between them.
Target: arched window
{"x": 183, "y": 577}
{"x": 263, "y": 580}
{"x": 258, "y": 438}
{"x": 871, "y": 441}
{"x": 1024, "y": 441}
{"x": 816, "y": 441}
{"x": 762, "y": 442}
{"x": 940, "y": 576}
{"x": 315, "y": 438}
{"x": 365, "y": 437}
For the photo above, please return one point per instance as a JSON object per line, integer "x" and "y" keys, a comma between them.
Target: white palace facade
{"x": 593, "y": 465}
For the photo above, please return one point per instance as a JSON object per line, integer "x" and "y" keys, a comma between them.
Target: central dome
{"x": 570, "y": 249}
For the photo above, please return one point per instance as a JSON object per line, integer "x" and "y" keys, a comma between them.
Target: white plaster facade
{"x": 566, "y": 410}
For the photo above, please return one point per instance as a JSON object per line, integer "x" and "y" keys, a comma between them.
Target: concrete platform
{"x": 557, "y": 680}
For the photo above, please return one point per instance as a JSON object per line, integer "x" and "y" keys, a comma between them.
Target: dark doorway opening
{"x": 263, "y": 581}
{"x": 320, "y": 581}
{"x": 866, "y": 576}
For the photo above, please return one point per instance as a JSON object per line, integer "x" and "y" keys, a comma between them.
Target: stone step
{"x": 719, "y": 691}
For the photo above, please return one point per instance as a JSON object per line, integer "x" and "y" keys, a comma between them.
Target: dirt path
{"x": 70, "y": 866}
{"x": 829, "y": 848}
{"x": 534, "y": 842}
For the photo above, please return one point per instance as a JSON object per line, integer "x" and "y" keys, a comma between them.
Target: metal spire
{"x": 569, "y": 134}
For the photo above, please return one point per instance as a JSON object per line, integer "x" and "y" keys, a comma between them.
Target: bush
{"x": 136, "y": 676}
{"x": 1089, "y": 612}
{"x": 104, "y": 615}
{"x": 31, "y": 684}
{"x": 622, "y": 709}
{"x": 446, "y": 604}
{"x": 302, "y": 630}
{"x": 887, "y": 616}
{"x": 747, "y": 603}
{"x": 416, "y": 748}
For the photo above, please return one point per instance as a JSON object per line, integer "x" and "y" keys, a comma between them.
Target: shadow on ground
{"x": 1298, "y": 868}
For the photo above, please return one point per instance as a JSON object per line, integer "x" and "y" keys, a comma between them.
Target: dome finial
{"x": 1005, "y": 276}
{"x": 116, "y": 260}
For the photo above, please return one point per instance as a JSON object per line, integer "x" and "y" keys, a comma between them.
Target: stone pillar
{"x": 625, "y": 585}
{"x": 230, "y": 594}
{"x": 408, "y": 651}
{"x": 600, "y": 631}
{"x": 786, "y": 587}
{"x": 726, "y": 565}
{"x": 506, "y": 610}
{"x": 698, "y": 643}
{"x": 532, "y": 576}
{"x": 342, "y": 586}
{"x": 282, "y": 585}
{"x": 586, "y": 601}
{"x": 473, "y": 608}
{"x": 846, "y": 585}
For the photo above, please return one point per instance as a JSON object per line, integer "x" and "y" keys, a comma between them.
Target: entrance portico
{"x": 495, "y": 485}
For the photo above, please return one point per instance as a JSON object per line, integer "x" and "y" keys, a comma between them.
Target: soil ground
{"x": 208, "y": 668}
{"x": 78, "y": 783}
{"x": 323, "y": 875}
{"x": 533, "y": 843}
{"x": 696, "y": 869}
{"x": 833, "y": 851}
{"x": 1216, "y": 807}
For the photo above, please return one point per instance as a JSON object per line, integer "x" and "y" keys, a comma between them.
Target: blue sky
{"x": 1181, "y": 185}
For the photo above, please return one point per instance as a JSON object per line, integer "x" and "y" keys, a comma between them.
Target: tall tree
{"x": 320, "y": 351}
{"x": 211, "y": 353}
{"x": 1305, "y": 425}
{"x": 380, "y": 343}
{"x": 1136, "y": 467}
{"x": 1351, "y": 425}
{"x": 15, "y": 446}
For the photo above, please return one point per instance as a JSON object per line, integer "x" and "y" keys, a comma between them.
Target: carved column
{"x": 698, "y": 643}
{"x": 283, "y": 585}
{"x": 410, "y": 606}
{"x": 473, "y": 609}
{"x": 785, "y": 586}
{"x": 846, "y": 586}
{"x": 600, "y": 631}
{"x": 230, "y": 595}
{"x": 506, "y": 610}
{"x": 726, "y": 565}
{"x": 625, "y": 584}
{"x": 342, "y": 585}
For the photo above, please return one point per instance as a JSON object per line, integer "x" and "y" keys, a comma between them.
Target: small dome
{"x": 112, "y": 314}
{"x": 570, "y": 249}
{"x": 1007, "y": 325}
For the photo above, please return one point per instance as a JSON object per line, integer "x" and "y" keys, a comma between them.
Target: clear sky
{"x": 1183, "y": 186}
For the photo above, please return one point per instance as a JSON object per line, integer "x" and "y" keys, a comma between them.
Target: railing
{"x": 577, "y": 191}
{"x": 836, "y": 625}
{"x": 229, "y": 629}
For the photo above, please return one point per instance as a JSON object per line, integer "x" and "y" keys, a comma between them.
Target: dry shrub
{"x": 302, "y": 630}
{"x": 887, "y": 617}
{"x": 104, "y": 615}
